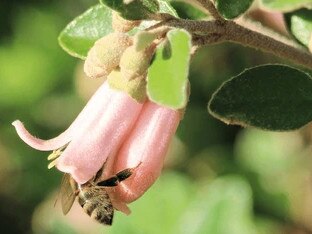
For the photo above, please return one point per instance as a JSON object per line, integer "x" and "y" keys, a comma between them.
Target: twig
{"x": 247, "y": 37}
{"x": 199, "y": 41}
{"x": 213, "y": 38}
{"x": 238, "y": 34}
{"x": 209, "y": 6}
{"x": 200, "y": 27}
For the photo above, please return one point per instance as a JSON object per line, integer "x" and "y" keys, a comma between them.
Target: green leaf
{"x": 165, "y": 7}
{"x": 272, "y": 97}
{"x": 167, "y": 76}
{"x": 285, "y": 5}
{"x": 135, "y": 9}
{"x": 232, "y": 9}
{"x": 79, "y": 35}
{"x": 300, "y": 25}
{"x": 187, "y": 11}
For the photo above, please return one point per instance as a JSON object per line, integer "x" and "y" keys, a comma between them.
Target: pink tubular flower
{"x": 119, "y": 130}
{"x": 146, "y": 146}
{"x": 97, "y": 133}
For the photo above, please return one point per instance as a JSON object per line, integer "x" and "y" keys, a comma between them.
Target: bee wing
{"x": 67, "y": 193}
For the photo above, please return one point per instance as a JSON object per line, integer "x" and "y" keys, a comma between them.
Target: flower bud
{"x": 105, "y": 55}
{"x": 135, "y": 63}
{"x": 122, "y": 25}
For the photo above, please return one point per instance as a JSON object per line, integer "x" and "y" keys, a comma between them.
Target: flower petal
{"x": 100, "y": 137}
{"x": 147, "y": 144}
{"x": 99, "y": 98}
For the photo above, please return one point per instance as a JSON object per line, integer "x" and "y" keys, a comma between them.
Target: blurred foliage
{"x": 218, "y": 179}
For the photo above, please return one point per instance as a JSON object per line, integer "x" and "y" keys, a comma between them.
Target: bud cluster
{"x": 117, "y": 51}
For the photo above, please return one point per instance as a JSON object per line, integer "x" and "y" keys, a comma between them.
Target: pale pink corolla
{"x": 96, "y": 133}
{"x": 116, "y": 130}
{"x": 145, "y": 150}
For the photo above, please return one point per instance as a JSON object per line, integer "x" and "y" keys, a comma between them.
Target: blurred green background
{"x": 217, "y": 179}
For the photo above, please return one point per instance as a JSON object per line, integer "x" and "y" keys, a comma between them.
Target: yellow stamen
{"x": 52, "y": 164}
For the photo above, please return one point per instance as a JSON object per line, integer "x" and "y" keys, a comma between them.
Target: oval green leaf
{"x": 167, "y": 76}
{"x": 187, "y": 11}
{"x": 300, "y": 25}
{"x": 165, "y": 7}
{"x": 135, "y": 9}
{"x": 271, "y": 97}
{"x": 285, "y": 5}
{"x": 80, "y": 34}
{"x": 232, "y": 9}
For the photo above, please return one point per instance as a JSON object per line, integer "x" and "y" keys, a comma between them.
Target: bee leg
{"x": 120, "y": 176}
{"x": 98, "y": 174}
{"x": 76, "y": 192}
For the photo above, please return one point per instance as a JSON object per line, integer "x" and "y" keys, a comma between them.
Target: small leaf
{"x": 285, "y": 5}
{"x": 187, "y": 11}
{"x": 272, "y": 97}
{"x": 300, "y": 25}
{"x": 79, "y": 35}
{"x": 232, "y": 9}
{"x": 135, "y": 9}
{"x": 167, "y": 77}
{"x": 165, "y": 7}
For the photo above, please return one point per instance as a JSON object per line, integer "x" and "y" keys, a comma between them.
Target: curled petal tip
{"x": 16, "y": 123}
{"x": 39, "y": 144}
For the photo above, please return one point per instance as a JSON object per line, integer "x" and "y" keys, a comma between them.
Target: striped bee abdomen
{"x": 96, "y": 203}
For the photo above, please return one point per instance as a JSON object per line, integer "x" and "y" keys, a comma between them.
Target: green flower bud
{"x": 143, "y": 39}
{"x": 136, "y": 88}
{"x": 105, "y": 55}
{"x": 135, "y": 63}
{"x": 122, "y": 25}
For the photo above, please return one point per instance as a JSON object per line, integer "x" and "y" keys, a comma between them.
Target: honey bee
{"x": 92, "y": 196}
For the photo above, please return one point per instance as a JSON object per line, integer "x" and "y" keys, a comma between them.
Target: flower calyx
{"x": 122, "y": 25}
{"x": 135, "y": 88}
{"x": 105, "y": 55}
{"x": 135, "y": 63}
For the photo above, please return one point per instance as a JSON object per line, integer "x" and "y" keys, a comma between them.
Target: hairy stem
{"x": 231, "y": 31}
{"x": 247, "y": 37}
{"x": 199, "y": 27}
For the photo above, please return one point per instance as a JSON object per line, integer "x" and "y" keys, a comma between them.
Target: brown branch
{"x": 213, "y": 38}
{"x": 200, "y": 27}
{"x": 247, "y": 37}
{"x": 233, "y": 32}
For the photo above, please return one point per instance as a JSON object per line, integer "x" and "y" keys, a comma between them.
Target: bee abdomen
{"x": 102, "y": 215}
{"x": 97, "y": 204}
{"x": 89, "y": 206}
